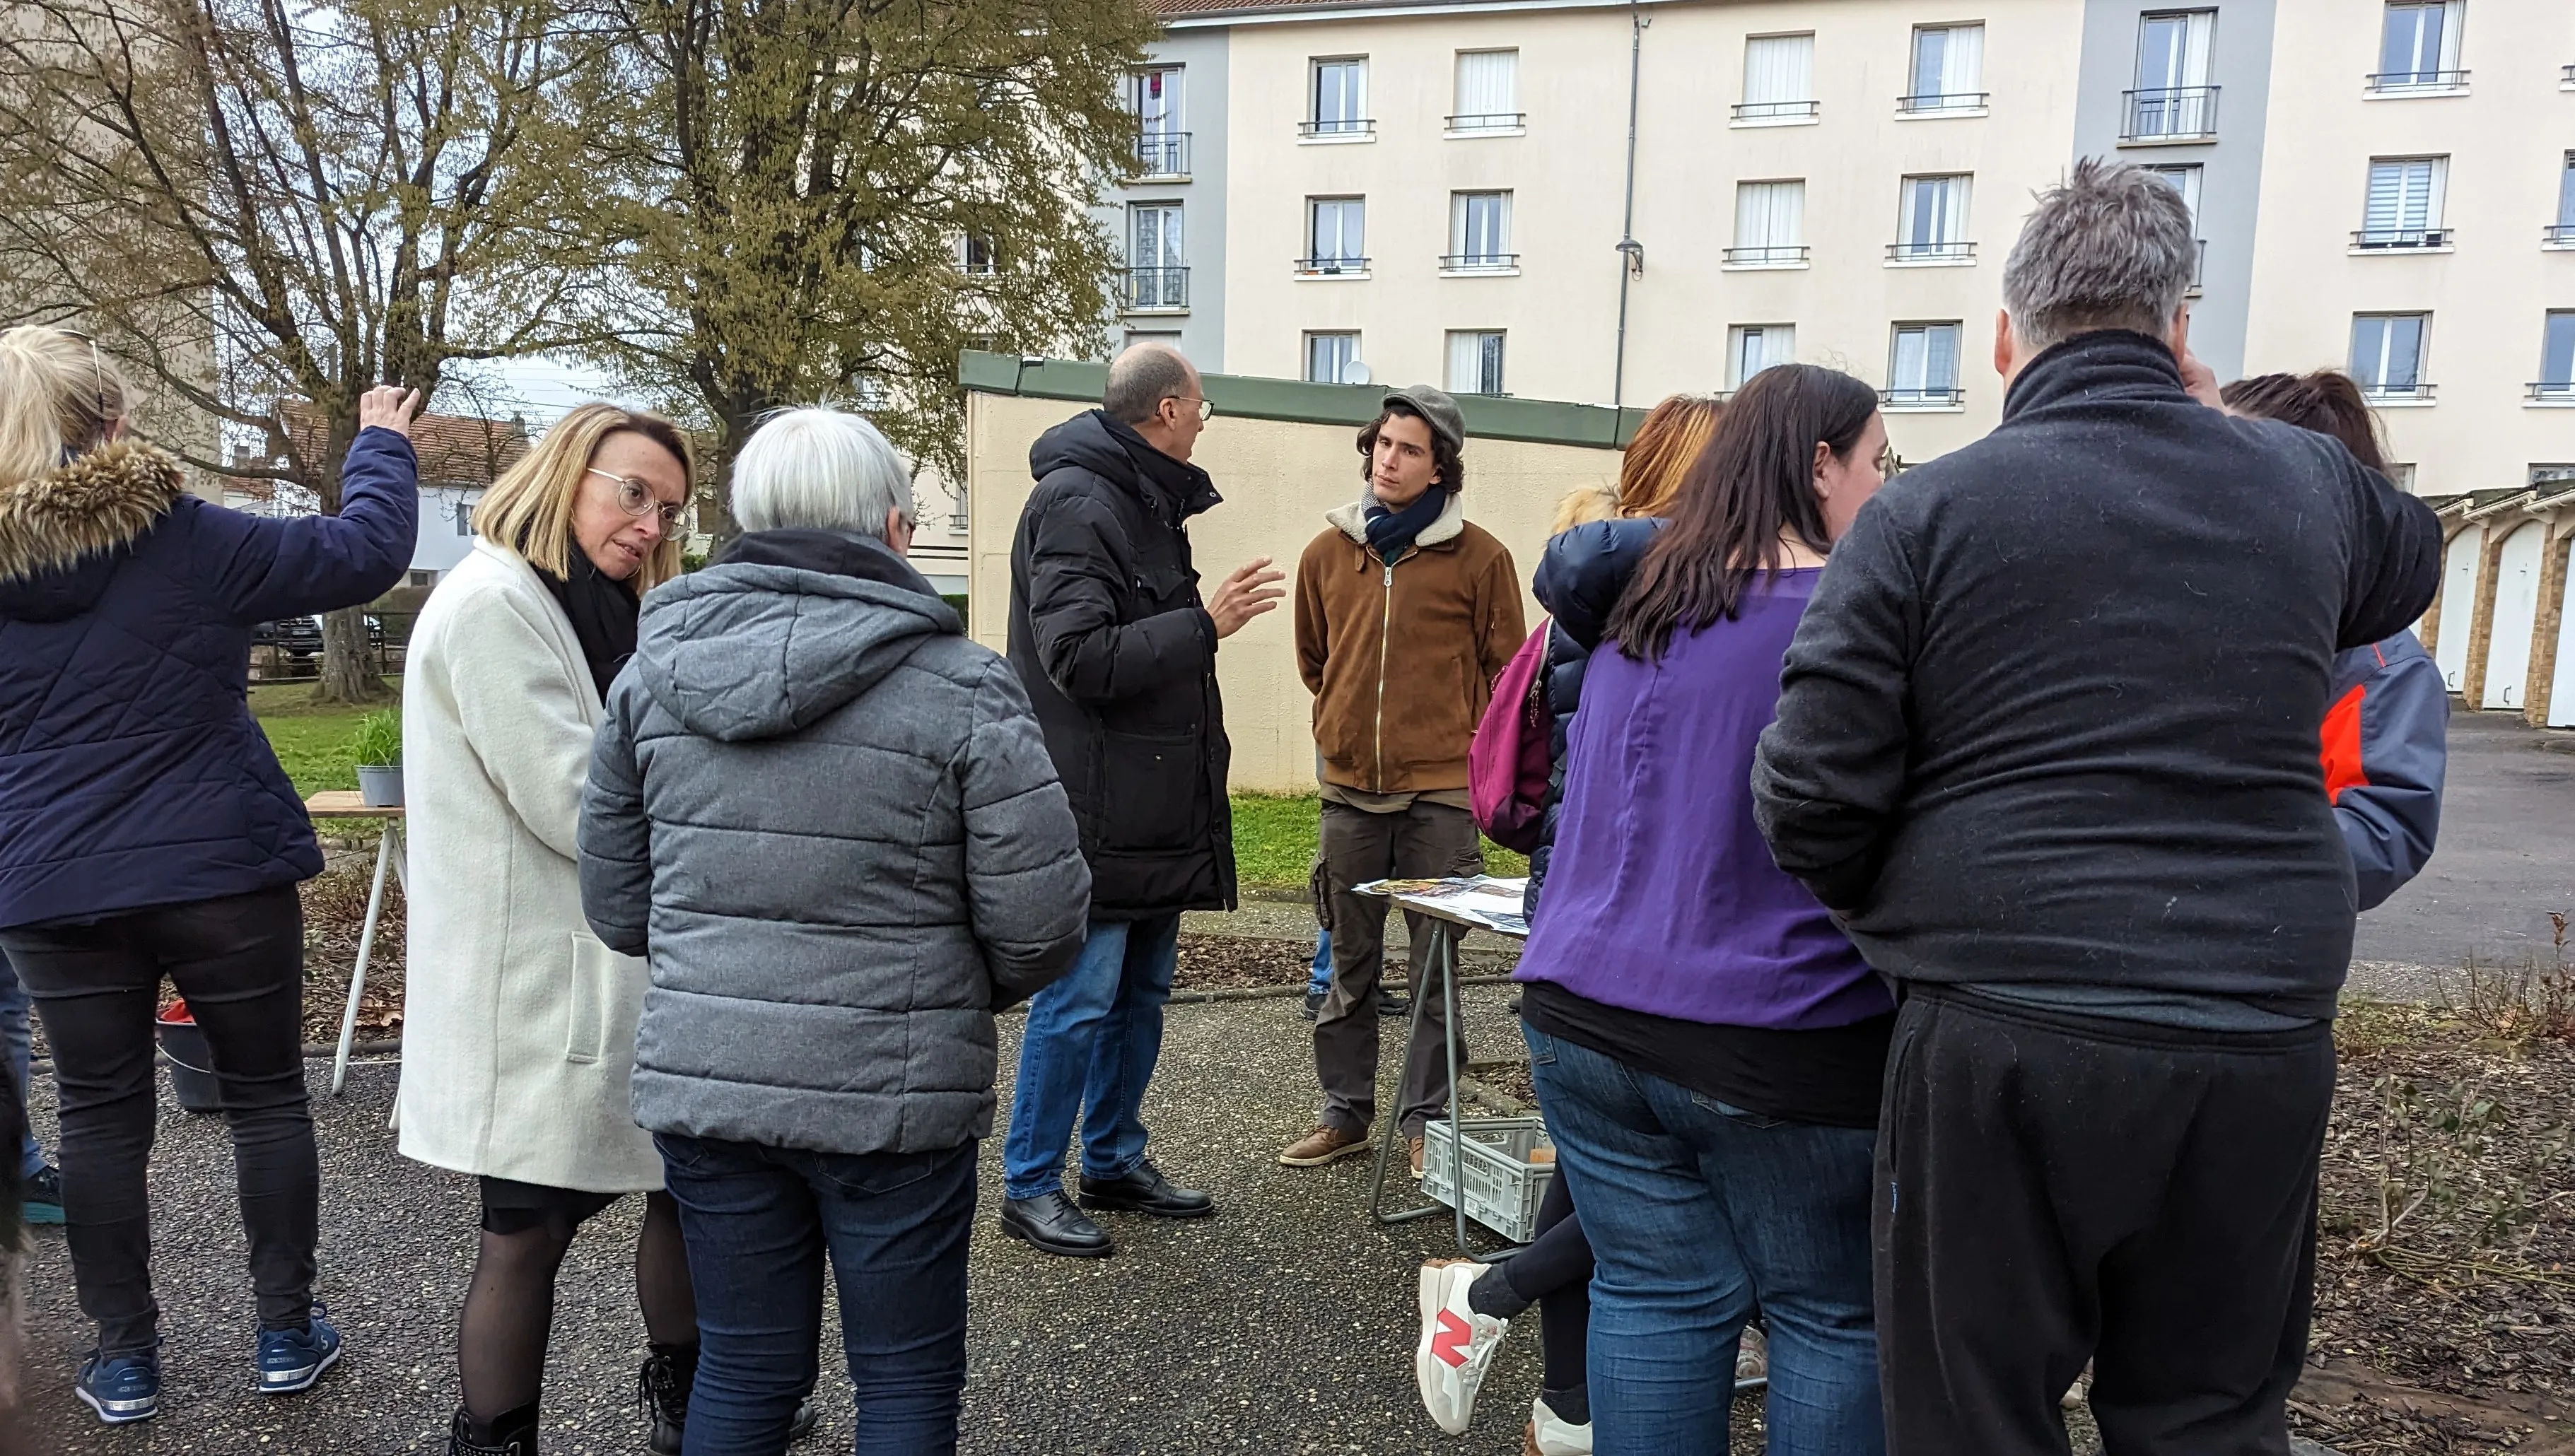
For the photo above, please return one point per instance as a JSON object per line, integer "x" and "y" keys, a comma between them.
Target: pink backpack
{"x": 1506, "y": 764}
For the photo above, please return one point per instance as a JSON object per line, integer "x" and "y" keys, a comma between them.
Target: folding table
{"x": 345, "y": 803}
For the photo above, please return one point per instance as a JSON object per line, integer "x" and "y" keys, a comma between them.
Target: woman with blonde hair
{"x": 519, "y": 1025}
{"x": 146, "y": 831}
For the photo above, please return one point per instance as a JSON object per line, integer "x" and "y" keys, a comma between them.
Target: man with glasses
{"x": 1117, "y": 653}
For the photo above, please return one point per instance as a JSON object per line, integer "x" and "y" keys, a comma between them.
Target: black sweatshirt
{"x": 2052, "y": 714}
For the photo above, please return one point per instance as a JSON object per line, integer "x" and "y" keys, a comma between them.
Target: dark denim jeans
{"x": 1090, "y": 1046}
{"x": 1697, "y": 1213}
{"x": 759, "y": 1223}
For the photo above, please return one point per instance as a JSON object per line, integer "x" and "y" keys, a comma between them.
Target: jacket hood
{"x": 60, "y": 533}
{"x": 1111, "y": 449}
{"x": 1352, "y": 520}
{"x": 786, "y": 628}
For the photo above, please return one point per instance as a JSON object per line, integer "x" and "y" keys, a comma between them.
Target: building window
{"x": 2400, "y": 473}
{"x": 1932, "y": 220}
{"x": 1331, "y": 358}
{"x": 1153, "y": 336}
{"x": 1158, "y": 277}
{"x": 2419, "y": 48}
{"x": 1336, "y": 236}
{"x": 1480, "y": 232}
{"x": 2387, "y": 354}
{"x": 1922, "y": 368}
{"x": 2552, "y": 475}
{"x": 2185, "y": 180}
{"x": 1474, "y": 361}
{"x": 1779, "y": 80}
{"x": 1340, "y": 99}
{"x": 2556, "y": 357}
{"x": 1162, "y": 143}
{"x": 2562, "y": 234}
{"x": 1769, "y": 225}
{"x": 1948, "y": 69}
{"x": 1753, "y": 348}
{"x": 974, "y": 254}
{"x": 420, "y": 579}
{"x": 1489, "y": 87}
{"x": 2173, "y": 100}
{"x": 2404, "y": 206}
{"x": 464, "y": 518}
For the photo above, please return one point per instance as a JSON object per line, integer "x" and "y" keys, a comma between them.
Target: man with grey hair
{"x": 1119, "y": 654}
{"x": 2047, "y": 743}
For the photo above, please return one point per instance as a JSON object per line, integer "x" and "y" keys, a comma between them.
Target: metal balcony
{"x": 1162, "y": 154}
{"x": 1771, "y": 256}
{"x": 1153, "y": 290}
{"x": 2557, "y": 235}
{"x": 1477, "y": 261}
{"x": 2561, "y": 389}
{"x": 1491, "y": 121}
{"x": 1340, "y": 127}
{"x": 1922, "y": 398}
{"x": 2384, "y": 82}
{"x": 1945, "y": 101}
{"x": 1931, "y": 252}
{"x": 2174, "y": 114}
{"x": 1330, "y": 267}
{"x": 1776, "y": 110}
{"x": 2414, "y": 390}
{"x": 2400, "y": 240}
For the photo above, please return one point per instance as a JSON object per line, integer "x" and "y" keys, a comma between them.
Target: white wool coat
{"x": 518, "y": 1025}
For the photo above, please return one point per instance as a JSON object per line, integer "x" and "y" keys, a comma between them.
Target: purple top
{"x": 1663, "y": 897}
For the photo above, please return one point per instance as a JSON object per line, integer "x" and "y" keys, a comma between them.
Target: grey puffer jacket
{"x": 831, "y": 822}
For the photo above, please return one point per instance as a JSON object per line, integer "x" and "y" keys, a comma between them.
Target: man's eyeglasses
{"x": 635, "y": 497}
{"x": 1205, "y": 411}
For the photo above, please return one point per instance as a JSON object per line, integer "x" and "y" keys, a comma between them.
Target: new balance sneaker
{"x": 1456, "y": 1345}
{"x": 290, "y": 1360}
{"x": 1549, "y": 1434}
{"x": 41, "y": 1201}
{"x": 122, "y": 1389}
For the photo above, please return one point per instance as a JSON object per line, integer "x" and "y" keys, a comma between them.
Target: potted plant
{"x": 378, "y": 750}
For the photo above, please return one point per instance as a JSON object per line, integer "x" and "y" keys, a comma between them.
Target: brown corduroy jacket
{"x": 1402, "y": 659}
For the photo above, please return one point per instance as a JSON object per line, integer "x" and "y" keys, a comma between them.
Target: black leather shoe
{"x": 1393, "y": 1009}
{"x": 1145, "y": 1190}
{"x": 1051, "y": 1224}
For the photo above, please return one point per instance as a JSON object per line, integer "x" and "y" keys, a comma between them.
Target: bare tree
{"x": 268, "y": 207}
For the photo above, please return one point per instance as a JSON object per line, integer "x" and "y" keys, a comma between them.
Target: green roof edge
{"x": 1249, "y": 397}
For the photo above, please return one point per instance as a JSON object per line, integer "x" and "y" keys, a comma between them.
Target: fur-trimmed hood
{"x": 59, "y": 532}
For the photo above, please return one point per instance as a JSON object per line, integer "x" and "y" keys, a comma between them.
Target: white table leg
{"x": 385, "y": 854}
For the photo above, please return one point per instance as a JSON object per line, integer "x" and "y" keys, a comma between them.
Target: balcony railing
{"x": 1776, "y": 110}
{"x": 2553, "y": 389}
{"x": 2385, "y": 81}
{"x": 2567, "y": 77}
{"x": 1153, "y": 290}
{"x": 2398, "y": 240}
{"x": 1773, "y": 254}
{"x": 1929, "y": 252}
{"x": 2412, "y": 390}
{"x": 2557, "y": 235}
{"x": 2174, "y": 114}
{"x": 1922, "y": 397}
{"x": 1945, "y": 101}
{"x": 1346, "y": 126}
{"x": 1477, "y": 261}
{"x": 1330, "y": 267}
{"x": 1162, "y": 154}
{"x": 1491, "y": 121}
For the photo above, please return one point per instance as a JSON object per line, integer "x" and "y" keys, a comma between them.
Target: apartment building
{"x": 1168, "y": 212}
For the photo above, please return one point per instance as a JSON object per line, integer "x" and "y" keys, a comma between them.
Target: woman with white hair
{"x": 831, "y": 822}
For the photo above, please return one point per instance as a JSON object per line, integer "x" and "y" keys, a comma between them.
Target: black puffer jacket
{"x": 1579, "y": 581}
{"x": 1119, "y": 657}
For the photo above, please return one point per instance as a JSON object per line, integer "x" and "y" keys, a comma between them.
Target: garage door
{"x": 2458, "y": 604}
{"x": 2516, "y": 613}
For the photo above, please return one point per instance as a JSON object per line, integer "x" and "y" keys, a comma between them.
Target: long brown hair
{"x": 1672, "y": 437}
{"x": 1755, "y": 480}
{"x": 2327, "y": 401}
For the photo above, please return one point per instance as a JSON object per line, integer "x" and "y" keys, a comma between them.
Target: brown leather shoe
{"x": 1323, "y": 1145}
{"x": 1417, "y": 1154}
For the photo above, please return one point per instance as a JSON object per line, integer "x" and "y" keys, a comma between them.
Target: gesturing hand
{"x": 1253, "y": 590}
{"x": 388, "y": 406}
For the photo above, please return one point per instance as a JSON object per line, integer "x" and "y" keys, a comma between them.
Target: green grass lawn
{"x": 310, "y": 739}
{"x": 1273, "y": 842}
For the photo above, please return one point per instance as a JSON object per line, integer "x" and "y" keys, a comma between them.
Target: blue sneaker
{"x": 41, "y": 1201}
{"x": 290, "y": 1360}
{"x": 124, "y": 1389}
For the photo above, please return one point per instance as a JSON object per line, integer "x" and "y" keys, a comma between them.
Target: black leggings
{"x": 239, "y": 961}
{"x": 1555, "y": 1273}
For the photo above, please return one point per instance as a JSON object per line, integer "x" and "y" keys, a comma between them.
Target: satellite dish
{"x": 1356, "y": 373}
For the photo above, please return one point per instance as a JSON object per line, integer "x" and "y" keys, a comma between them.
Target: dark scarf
{"x": 603, "y": 615}
{"x": 1390, "y": 533}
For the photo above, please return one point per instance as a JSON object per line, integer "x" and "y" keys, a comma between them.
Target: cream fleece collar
{"x": 1352, "y": 520}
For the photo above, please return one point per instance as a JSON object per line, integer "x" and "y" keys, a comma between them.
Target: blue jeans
{"x": 759, "y": 1223}
{"x": 1090, "y": 1047}
{"x": 16, "y": 1043}
{"x": 1319, "y": 980}
{"x": 1697, "y": 1213}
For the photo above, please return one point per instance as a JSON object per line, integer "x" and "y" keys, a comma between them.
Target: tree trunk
{"x": 348, "y": 660}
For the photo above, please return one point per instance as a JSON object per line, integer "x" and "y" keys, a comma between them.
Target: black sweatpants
{"x": 2056, "y": 1188}
{"x": 239, "y": 961}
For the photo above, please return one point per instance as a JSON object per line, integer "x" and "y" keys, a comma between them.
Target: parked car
{"x": 300, "y": 638}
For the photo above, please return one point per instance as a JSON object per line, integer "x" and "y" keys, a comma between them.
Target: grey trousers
{"x": 1426, "y": 841}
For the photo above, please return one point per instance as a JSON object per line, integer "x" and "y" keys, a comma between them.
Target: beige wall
{"x": 1277, "y": 479}
{"x": 2506, "y": 137}
{"x": 1567, "y": 178}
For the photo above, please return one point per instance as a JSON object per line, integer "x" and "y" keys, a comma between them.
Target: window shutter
{"x": 1488, "y": 82}
{"x": 1778, "y": 68}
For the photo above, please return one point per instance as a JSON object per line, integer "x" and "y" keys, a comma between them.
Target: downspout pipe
{"x": 1631, "y": 254}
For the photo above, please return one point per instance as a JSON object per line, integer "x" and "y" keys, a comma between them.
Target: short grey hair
{"x": 1141, "y": 378}
{"x": 2108, "y": 248}
{"x": 819, "y": 468}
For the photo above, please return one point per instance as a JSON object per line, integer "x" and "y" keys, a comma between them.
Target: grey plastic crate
{"x": 1503, "y": 1188}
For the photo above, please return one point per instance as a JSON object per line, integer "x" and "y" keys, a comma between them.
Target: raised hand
{"x": 1253, "y": 590}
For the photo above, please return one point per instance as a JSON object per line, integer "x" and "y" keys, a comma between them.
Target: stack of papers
{"x": 1483, "y": 900}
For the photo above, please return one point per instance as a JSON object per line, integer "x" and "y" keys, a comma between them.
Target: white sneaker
{"x": 1457, "y": 1343}
{"x": 1551, "y": 1435}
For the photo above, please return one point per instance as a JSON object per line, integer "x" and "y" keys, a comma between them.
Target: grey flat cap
{"x": 1436, "y": 409}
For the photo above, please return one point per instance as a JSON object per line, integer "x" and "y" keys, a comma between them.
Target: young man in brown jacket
{"x": 1406, "y": 614}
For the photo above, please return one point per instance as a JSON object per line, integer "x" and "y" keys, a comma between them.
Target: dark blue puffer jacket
{"x": 131, "y": 771}
{"x": 1577, "y": 582}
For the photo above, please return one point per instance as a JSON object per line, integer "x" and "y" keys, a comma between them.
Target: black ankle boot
{"x": 514, "y": 1434}
{"x": 662, "y": 1388}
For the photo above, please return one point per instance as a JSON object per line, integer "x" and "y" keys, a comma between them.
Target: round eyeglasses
{"x": 635, "y": 497}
